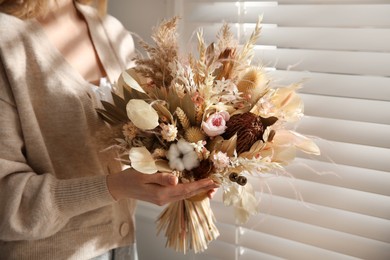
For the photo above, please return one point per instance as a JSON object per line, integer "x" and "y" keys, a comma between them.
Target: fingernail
{"x": 172, "y": 180}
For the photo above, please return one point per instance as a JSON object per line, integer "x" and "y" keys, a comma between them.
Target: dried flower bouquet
{"x": 205, "y": 115}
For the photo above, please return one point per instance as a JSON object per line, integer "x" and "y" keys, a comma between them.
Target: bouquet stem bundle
{"x": 188, "y": 225}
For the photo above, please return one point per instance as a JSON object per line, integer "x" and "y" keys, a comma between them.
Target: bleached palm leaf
{"x": 114, "y": 115}
{"x": 229, "y": 146}
{"x": 163, "y": 112}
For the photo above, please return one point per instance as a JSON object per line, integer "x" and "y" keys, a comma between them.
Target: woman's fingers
{"x": 161, "y": 194}
{"x": 159, "y": 188}
{"x": 211, "y": 193}
{"x": 163, "y": 179}
{"x": 188, "y": 190}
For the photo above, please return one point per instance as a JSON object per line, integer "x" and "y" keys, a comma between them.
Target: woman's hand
{"x": 159, "y": 188}
{"x": 212, "y": 192}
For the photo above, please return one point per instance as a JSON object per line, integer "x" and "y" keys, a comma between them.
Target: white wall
{"x": 140, "y": 16}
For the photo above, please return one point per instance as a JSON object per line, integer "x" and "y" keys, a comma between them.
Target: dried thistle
{"x": 254, "y": 83}
{"x": 159, "y": 153}
{"x": 194, "y": 134}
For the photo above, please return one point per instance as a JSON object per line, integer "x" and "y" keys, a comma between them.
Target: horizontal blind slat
{"x": 334, "y": 241}
{"x": 325, "y": 217}
{"x": 316, "y": 216}
{"x": 330, "y": 1}
{"x": 356, "y": 39}
{"x": 374, "y": 158}
{"x": 370, "y": 111}
{"x": 347, "y": 131}
{"x": 360, "y": 39}
{"x": 295, "y": 251}
{"x": 354, "y": 86}
{"x": 301, "y": 1}
{"x": 362, "y": 179}
{"x": 340, "y": 62}
{"x": 249, "y": 254}
{"x": 352, "y": 16}
{"x": 365, "y": 203}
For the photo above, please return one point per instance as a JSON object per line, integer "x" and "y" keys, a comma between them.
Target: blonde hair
{"x": 26, "y": 9}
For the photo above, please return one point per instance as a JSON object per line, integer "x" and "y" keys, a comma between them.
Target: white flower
{"x": 267, "y": 107}
{"x": 182, "y": 156}
{"x": 220, "y": 160}
{"x": 199, "y": 146}
{"x": 248, "y": 205}
{"x": 168, "y": 132}
{"x": 130, "y": 131}
{"x": 244, "y": 201}
{"x": 201, "y": 150}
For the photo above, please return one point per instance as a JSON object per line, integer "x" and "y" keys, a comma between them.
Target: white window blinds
{"x": 341, "y": 49}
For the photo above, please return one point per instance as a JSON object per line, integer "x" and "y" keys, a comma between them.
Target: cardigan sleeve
{"x": 35, "y": 206}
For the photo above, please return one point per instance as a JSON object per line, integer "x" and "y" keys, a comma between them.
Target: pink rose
{"x": 216, "y": 123}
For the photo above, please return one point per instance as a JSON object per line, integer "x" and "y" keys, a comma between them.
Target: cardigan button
{"x": 124, "y": 229}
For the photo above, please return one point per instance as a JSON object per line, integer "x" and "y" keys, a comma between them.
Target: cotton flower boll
{"x": 184, "y": 147}
{"x": 190, "y": 160}
{"x": 173, "y": 156}
{"x": 216, "y": 123}
{"x": 182, "y": 156}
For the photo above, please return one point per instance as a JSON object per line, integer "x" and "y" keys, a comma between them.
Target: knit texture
{"x": 54, "y": 200}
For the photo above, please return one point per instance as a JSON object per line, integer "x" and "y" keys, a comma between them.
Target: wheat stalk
{"x": 184, "y": 121}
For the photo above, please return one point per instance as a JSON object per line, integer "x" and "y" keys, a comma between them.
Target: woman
{"x": 60, "y": 196}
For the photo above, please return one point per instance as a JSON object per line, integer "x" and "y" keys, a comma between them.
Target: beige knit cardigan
{"x": 54, "y": 200}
